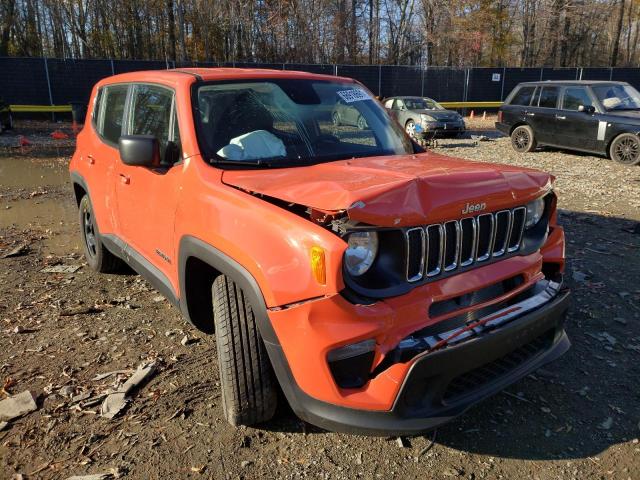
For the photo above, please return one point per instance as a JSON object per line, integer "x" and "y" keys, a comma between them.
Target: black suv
{"x": 590, "y": 116}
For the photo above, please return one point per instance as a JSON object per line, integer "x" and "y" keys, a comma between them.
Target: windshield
{"x": 617, "y": 97}
{"x": 282, "y": 123}
{"x": 422, "y": 104}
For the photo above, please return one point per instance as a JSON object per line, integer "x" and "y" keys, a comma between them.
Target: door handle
{"x": 125, "y": 179}
{"x": 530, "y": 114}
{"x": 561, "y": 117}
{"x": 90, "y": 159}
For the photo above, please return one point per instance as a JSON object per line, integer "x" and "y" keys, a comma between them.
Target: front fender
{"x": 270, "y": 242}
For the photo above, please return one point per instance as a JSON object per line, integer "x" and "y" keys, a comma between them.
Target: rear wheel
{"x": 625, "y": 149}
{"x": 523, "y": 139}
{"x": 98, "y": 257}
{"x": 249, "y": 393}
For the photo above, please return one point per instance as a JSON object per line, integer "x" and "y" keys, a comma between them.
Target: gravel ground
{"x": 577, "y": 418}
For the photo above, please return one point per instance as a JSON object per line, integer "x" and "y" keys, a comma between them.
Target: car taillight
{"x": 500, "y": 115}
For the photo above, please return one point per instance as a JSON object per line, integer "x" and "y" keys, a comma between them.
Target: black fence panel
{"x": 368, "y": 75}
{"x": 125, "y": 66}
{"x": 596, "y": 74}
{"x": 36, "y": 81}
{"x": 631, "y": 75}
{"x": 445, "y": 84}
{"x": 73, "y": 80}
{"x": 24, "y": 81}
{"x": 319, "y": 69}
{"x": 560, "y": 73}
{"x": 514, "y": 76}
{"x": 400, "y": 81}
{"x": 485, "y": 84}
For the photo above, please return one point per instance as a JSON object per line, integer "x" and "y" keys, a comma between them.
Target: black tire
{"x": 625, "y": 149}
{"x": 523, "y": 139}
{"x": 98, "y": 257}
{"x": 249, "y": 391}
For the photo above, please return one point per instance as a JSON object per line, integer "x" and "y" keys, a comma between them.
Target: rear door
{"x": 577, "y": 129}
{"x": 98, "y": 163}
{"x": 541, "y": 115}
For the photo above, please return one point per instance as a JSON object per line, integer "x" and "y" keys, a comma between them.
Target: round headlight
{"x": 535, "y": 210}
{"x": 361, "y": 252}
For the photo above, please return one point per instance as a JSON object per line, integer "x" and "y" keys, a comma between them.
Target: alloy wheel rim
{"x": 89, "y": 233}
{"x": 522, "y": 139}
{"x": 627, "y": 150}
{"x": 411, "y": 128}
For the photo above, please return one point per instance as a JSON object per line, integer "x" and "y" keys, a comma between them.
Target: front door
{"x": 577, "y": 129}
{"x": 147, "y": 196}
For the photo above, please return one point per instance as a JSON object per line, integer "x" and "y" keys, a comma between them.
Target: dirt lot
{"x": 577, "y": 418}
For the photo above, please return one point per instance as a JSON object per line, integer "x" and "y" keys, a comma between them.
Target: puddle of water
{"x": 54, "y": 217}
{"x": 24, "y": 172}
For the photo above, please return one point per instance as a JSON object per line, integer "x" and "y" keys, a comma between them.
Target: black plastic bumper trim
{"x": 439, "y": 367}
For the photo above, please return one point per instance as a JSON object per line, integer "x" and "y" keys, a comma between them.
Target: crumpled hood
{"x": 400, "y": 190}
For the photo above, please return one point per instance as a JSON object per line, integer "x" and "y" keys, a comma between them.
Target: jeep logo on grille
{"x": 473, "y": 207}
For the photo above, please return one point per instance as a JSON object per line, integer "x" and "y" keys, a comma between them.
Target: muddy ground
{"x": 577, "y": 418}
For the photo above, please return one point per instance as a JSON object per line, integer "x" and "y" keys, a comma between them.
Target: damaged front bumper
{"x": 452, "y": 370}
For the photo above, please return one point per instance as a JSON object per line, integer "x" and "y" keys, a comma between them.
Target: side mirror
{"x": 587, "y": 109}
{"x": 139, "y": 150}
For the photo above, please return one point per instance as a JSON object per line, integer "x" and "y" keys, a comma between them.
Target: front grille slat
{"x": 454, "y": 244}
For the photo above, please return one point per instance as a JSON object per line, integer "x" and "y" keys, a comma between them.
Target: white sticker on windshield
{"x": 353, "y": 95}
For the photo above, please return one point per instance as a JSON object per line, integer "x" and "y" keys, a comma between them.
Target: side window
{"x": 574, "y": 97}
{"x": 549, "y": 97}
{"x": 523, "y": 96}
{"x": 112, "y": 105}
{"x": 151, "y": 114}
{"x": 174, "y": 150}
{"x": 388, "y": 104}
{"x": 398, "y": 105}
{"x": 95, "y": 114}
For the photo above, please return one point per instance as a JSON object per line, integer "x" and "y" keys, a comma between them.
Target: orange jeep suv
{"x": 383, "y": 288}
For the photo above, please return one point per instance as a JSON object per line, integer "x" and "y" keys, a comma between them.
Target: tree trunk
{"x": 616, "y": 37}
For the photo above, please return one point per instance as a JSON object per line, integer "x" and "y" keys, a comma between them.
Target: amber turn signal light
{"x": 318, "y": 265}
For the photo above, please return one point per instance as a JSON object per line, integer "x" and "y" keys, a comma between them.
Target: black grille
{"x": 473, "y": 380}
{"x": 445, "y": 247}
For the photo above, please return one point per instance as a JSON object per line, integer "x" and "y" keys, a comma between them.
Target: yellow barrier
{"x": 470, "y": 104}
{"x": 40, "y": 108}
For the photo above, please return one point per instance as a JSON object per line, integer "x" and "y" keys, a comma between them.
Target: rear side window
{"x": 112, "y": 106}
{"x": 574, "y": 97}
{"x": 548, "y": 97}
{"x": 523, "y": 96}
{"x": 151, "y": 114}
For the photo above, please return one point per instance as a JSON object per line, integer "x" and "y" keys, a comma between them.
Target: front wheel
{"x": 523, "y": 139}
{"x": 625, "y": 149}
{"x": 249, "y": 394}
{"x": 98, "y": 257}
{"x": 410, "y": 128}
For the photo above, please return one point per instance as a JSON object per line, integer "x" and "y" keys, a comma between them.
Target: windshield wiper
{"x": 250, "y": 163}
